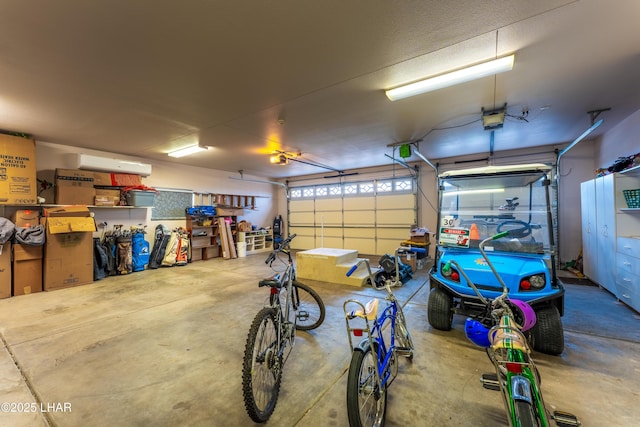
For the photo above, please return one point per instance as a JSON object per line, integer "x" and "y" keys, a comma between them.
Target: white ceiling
{"x": 142, "y": 77}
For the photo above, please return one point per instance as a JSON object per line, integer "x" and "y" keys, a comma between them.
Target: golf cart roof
{"x": 489, "y": 170}
{"x": 496, "y": 176}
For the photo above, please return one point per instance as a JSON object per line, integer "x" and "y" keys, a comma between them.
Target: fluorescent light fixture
{"x": 187, "y": 150}
{"x": 484, "y": 190}
{"x": 474, "y": 72}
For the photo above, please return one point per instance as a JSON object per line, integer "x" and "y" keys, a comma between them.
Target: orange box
{"x": 26, "y": 217}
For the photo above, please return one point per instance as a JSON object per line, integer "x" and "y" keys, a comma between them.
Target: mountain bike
{"x": 500, "y": 329}
{"x": 291, "y": 306}
{"x": 373, "y": 364}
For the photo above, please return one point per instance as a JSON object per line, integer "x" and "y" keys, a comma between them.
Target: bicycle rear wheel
{"x": 262, "y": 367}
{"x": 525, "y": 414}
{"x": 310, "y": 307}
{"x": 366, "y": 402}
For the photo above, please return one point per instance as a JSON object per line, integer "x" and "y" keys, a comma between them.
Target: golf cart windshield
{"x": 478, "y": 203}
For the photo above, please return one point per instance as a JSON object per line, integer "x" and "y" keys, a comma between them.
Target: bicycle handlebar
{"x": 285, "y": 243}
{"x": 351, "y": 270}
{"x": 413, "y": 249}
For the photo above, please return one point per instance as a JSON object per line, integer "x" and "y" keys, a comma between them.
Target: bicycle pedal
{"x": 490, "y": 382}
{"x": 565, "y": 419}
{"x": 302, "y": 315}
{"x": 404, "y": 351}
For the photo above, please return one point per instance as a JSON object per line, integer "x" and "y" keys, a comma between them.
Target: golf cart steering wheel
{"x": 518, "y": 232}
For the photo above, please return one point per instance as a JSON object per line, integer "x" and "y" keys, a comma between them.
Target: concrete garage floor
{"x": 164, "y": 348}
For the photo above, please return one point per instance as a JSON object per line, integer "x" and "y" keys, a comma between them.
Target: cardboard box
{"x": 5, "y": 270}
{"x": 26, "y": 218}
{"x": 108, "y": 179}
{"x": 77, "y": 210}
{"x": 27, "y": 269}
{"x": 107, "y": 197}
{"x": 18, "y": 183}
{"x": 244, "y": 226}
{"x": 74, "y": 187}
{"x": 68, "y": 252}
{"x": 102, "y": 179}
{"x": 409, "y": 258}
{"x": 419, "y": 234}
{"x": 74, "y": 178}
{"x": 75, "y": 195}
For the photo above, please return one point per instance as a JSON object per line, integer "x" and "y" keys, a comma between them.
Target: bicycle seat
{"x": 273, "y": 282}
{"x": 370, "y": 311}
{"x": 507, "y": 335}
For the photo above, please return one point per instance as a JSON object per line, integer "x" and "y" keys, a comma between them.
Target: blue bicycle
{"x": 374, "y": 359}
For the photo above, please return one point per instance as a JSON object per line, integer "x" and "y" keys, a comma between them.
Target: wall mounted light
{"x": 463, "y": 75}
{"x": 279, "y": 159}
{"x": 188, "y": 150}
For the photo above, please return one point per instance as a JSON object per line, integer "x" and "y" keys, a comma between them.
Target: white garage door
{"x": 372, "y": 216}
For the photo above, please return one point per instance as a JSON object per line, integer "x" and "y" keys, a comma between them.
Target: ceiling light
{"x": 485, "y": 69}
{"x": 187, "y": 150}
{"x": 279, "y": 159}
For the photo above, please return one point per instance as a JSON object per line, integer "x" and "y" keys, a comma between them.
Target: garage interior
{"x": 288, "y": 103}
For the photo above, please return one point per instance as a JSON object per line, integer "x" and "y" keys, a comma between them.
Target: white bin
{"x": 242, "y": 249}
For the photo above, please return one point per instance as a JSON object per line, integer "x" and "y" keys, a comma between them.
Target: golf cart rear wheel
{"x": 548, "y": 335}
{"x": 440, "y": 309}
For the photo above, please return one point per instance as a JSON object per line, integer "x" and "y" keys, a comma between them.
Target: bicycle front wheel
{"x": 310, "y": 310}
{"x": 262, "y": 366}
{"x": 404, "y": 343}
{"x": 366, "y": 402}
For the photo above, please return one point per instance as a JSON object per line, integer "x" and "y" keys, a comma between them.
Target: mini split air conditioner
{"x": 85, "y": 161}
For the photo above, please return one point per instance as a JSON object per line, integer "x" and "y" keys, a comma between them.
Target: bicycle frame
{"x": 373, "y": 329}
{"x": 521, "y": 383}
{"x": 375, "y": 324}
{"x": 283, "y": 280}
{"x": 508, "y": 349}
{"x": 272, "y": 330}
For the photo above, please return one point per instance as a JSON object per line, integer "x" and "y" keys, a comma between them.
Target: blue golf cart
{"x": 475, "y": 204}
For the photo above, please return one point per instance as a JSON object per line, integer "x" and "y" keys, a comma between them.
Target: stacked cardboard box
{"x": 74, "y": 187}
{"x": 26, "y": 217}
{"x": 68, "y": 252}
{"x": 5, "y": 270}
{"x": 17, "y": 170}
{"x": 27, "y": 260}
{"x": 107, "y": 197}
{"x": 81, "y": 187}
{"x": 27, "y": 269}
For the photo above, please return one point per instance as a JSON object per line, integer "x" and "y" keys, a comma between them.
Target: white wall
{"x": 579, "y": 165}
{"x": 621, "y": 141}
{"x": 164, "y": 175}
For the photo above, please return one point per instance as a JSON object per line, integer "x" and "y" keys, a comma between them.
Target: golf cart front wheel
{"x": 547, "y": 334}
{"x": 440, "y": 309}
